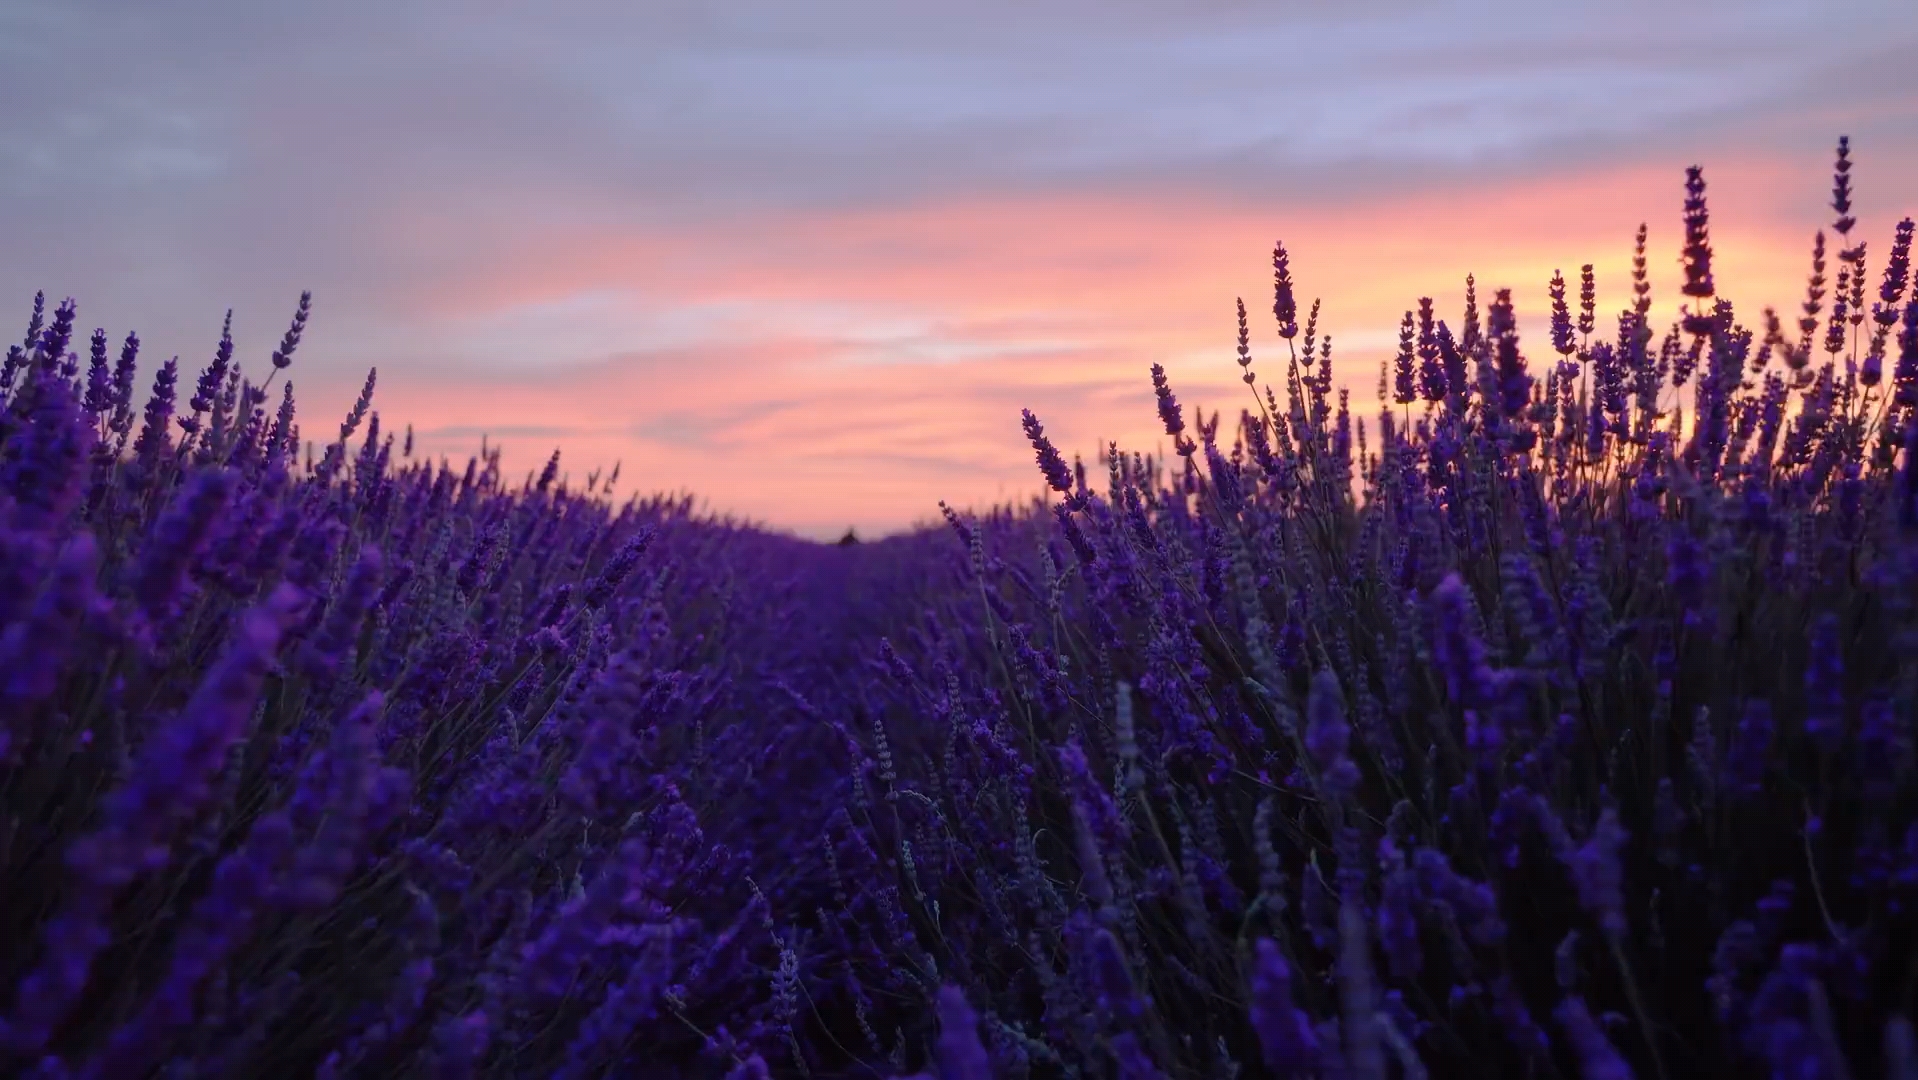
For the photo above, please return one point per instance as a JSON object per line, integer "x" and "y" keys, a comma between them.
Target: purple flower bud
{"x": 1051, "y": 465}
{"x": 1286, "y": 1036}
{"x": 1432, "y": 353}
{"x": 283, "y": 356}
{"x": 1697, "y": 252}
{"x": 1597, "y": 1058}
{"x": 1825, "y": 685}
{"x": 338, "y": 636}
{"x": 212, "y": 378}
{"x": 459, "y": 1046}
{"x": 153, "y": 441}
{"x": 45, "y": 460}
{"x": 961, "y": 1055}
{"x": 1514, "y": 384}
{"x": 1841, "y": 188}
{"x": 99, "y": 392}
{"x": 1327, "y": 735}
{"x": 124, "y": 370}
{"x": 160, "y": 576}
{"x": 1562, "y": 341}
{"x": 1456, "y": 646}
{"x": 1284, "y": 307}
{"x": 34, "y": 651}
{"x": 1169, "y": 411}
{"x": 1405, "y": 369}
{"x": 59, "y": 334}
{"x": 615, "y": 572}
{"x": 1398, "y": 921}
{"x": 1599, "y": 876}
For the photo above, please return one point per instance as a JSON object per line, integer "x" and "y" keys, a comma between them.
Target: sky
{"x": 809, "y": 260}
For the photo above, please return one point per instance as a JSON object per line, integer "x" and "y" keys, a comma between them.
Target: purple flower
{"x": 45, "y": 460}
{"x": 53, "y": 343}
{"x": 1897, "y": 274}
{"x": 1284, "y": 307}
{"x": 160, "y": 576}
{"x": 1561, "y": 318}
{"x": 1432, "y": 367}
{"x": 1327, "y": 735}
{"x": 1456, "y": 647}
{"x": 1825, "y": 685}
{"x": 1600, "y": 878}
{"x": 212, "y": 379}
{"x": 124, "y": 370}
{"x": 1697, "y": 252}
{"x": 1110, "y": 979}
{"x": 1405, "y": 373}
{"x": 1398, "y": 921}
{"x": 1286, "y": 1036}
{"x": 283, "y": 356}
{"x": 153, "y": 441}
{"x": 1841, "y": 188}
{"x": 1169, "y": 411}
{"x": 34, "y": 650}
{"x": 617, "y": 568}
{"x": 1051, "y": 465}
{"x": 961, "y": 1055}
{"x": 1514, "y": 384}
{"x": 1597, "y": 1058}
{"x": 99, "y": 392}
{"x": 338, "y": 636}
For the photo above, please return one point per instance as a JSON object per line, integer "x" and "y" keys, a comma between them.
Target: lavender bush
{"x": 1557, "y": 722}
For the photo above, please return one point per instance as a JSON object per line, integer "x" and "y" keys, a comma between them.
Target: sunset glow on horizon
{"x": 813, "y": 274}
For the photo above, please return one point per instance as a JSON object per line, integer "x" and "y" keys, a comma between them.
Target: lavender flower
{"x": 1284, "y": 308}
{"x": 1286, "y": 1035}
{"x": 283, "y": 356}
{"x": 961, "y": 1056}
{"x": 1600, "y": 878}
{"x": 1051, "y": 465}
{"x": 1562, "y": 341}
{"x": 1597, "y": 1058}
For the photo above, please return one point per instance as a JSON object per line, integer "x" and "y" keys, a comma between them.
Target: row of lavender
{"x": 1578, "y": 741}
{"x": 1543, "y": 726}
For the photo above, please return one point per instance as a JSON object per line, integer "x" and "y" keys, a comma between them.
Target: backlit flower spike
{"x": 1052, "y": 466}
{"x": 1696, "y": 256}
{"x": 1284, "y": 307}
{"x": 1562, "y": 341}
{"x": 1405, "y": 366}
{"x": 1841, "y": 194}
{"x": 283, "y": 356}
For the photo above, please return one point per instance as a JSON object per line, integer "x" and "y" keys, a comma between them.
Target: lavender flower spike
{"x": 1058, "y": 475}
{"x": 1286, "y": 1037}
{"x": 961, "y": 1055}
{"x": 1597, "y": 1058}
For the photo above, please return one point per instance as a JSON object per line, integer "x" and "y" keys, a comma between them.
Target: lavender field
{"x": 1552, "y": 717}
